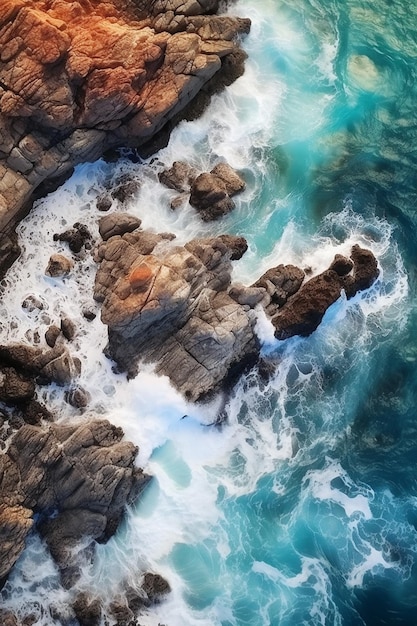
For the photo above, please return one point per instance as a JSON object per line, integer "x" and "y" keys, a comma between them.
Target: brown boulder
{"x": 179, "y": 176}
{"x": 117, "y": 224}
{"x": 58, "y": 266}
{"x": 303, "y": 312}
{"x": 211, "y": 192}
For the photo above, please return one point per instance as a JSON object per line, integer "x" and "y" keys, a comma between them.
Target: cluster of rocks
{"x": 210, "y": 193}
{"x": 80, "y": 78}
{"x": 176, "y": 306}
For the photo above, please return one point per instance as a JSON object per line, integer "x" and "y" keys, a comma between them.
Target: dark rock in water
{"x": 303, "y": 311}
{"x": 179, "y": 202}
{"x": 34, "y": 412}
{"x": 211, "y": 193}
{"x": 233, "y": 182}
{"x": 85, "y": 473}
{"x": 237, "y": 245}
{"x": 78, "y": 397}
{"x": 172, "y": 308}
{"x": 155, "y": 587}
{"x": 104, "y": 203}
{"x": 68, "y": 328}
{"x": 117, "y": 224}
{"x": 15, "y": 387}
{"x": 77, "y": 237}
{"x": 120, "y": 611}
{"x": 365, "y": 271}
{"x": 58, "y": 266}
{"x": 62, "y": 535}
{"x": 179, "y": 177}
{"x": 87, "y": 610}
{"x": 52, "y": 335}
{"x": 89, "y": 315}
{"x": 51, "y": 365}
{"x": 125, "y": 189}
{"x": 32, "y": 303}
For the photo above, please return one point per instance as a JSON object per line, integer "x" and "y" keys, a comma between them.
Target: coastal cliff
{"x": 80, "y": 78}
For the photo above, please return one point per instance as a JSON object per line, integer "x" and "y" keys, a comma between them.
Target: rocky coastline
{"x": 78, "y": 79}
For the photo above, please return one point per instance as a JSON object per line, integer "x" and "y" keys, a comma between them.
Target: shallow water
{"x": 302, "y": 508}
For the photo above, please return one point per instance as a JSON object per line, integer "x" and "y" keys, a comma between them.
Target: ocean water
{"x": 302, "y": 508}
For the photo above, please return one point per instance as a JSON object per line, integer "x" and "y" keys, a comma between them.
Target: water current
{"x": 302, "y": 507}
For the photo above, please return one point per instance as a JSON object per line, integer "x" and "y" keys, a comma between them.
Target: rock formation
{"x": 210, "y": 193}
{"x": 176, "y": 306}
{"x": 170, "y": 305}
{"x": 84, "y": 474}
{"x": 303, "y": 311}
{"x": 78, "y": 78}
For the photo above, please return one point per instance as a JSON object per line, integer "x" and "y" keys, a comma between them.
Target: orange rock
{"x": 140, "y": 277}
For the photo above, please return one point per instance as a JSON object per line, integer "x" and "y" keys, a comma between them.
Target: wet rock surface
{"x": 85, "y": 473}
{"x": 170, "y": 305}
{"x": 78, "y": 79}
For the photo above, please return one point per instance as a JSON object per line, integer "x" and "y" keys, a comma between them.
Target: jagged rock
{"x": 179, "y": 177}
{"x": 117, "y": 224}
{"x": 83, "y": 78}
{"x": 32, "y": 303}
{"x": 251, "y": 296}
{"x": 172, "y": 307}
{"x": 87, "y": 610}
{"x": 211, "y": 191}
{"x": 52, "y": 365}
{"x": 120, "y": 611}
{"x": 14, "y": 386}
{"x": 280, "y": 283}
{"x": 155, "y": 587}
{"x": 7, "y": 618}
{"x": 58, "y": 266}
{"x": 52, "y": 335}
{"x": 341, "y": 265}
{"x": 233, "y": 182}
{"x": 125, "y": 189}
{"x": 77, "y": 237}
{"x": 85, "y": 473}
{"x": 303, "y": 311}
{"x": 365, "y": 271}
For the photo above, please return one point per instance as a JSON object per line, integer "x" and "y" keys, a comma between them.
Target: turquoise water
{"x": 302, "y": 507}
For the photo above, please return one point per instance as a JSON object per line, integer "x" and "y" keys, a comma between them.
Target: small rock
{"x": 32, "y": 303}
{"x": 87, "y": 610}
{"x": 234, "y": 183}
{"x": 89, "y": 315}
{"x": 179, "y": 202}
{"x": 77, "y": 237}
{"x": 155, "y": 587}
{"x": 52, "y": 335}
{"x": 68, "y": 328}
{"x": 104, "y": 203}
{"x": 78, "y": 397}
{"x": 58, "y": 266}
{"x": 125, "y": 189}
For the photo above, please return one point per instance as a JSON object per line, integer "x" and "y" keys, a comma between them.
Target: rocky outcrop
{"x": 210, "y": 193}
{"x": 84, "y": 474}
{"x": 176, "y": 306}
{"x": 45, "y": 364}
{"x": 170, "y": 305}
{"x": 303, "y": 311}
{"x": 80, "y": 78}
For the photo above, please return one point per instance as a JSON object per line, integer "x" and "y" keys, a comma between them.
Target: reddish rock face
{"x": 80, "y": 77}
